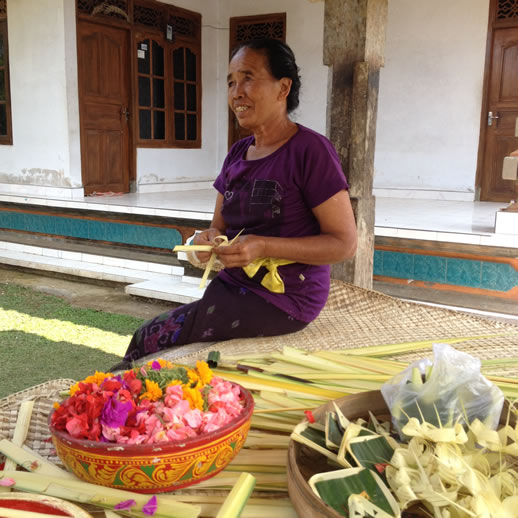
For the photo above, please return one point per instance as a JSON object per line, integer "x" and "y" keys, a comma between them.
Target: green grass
{"x": 42, "y": 337}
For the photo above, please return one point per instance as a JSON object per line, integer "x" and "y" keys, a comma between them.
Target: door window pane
{"x": 178, "y": 63}
{"x": 158, "y": 93}
{"x": 144, "y": 91}
{"x": 191, "y": 65}
{"x": 191, "y": 127}
{"x": 2, "y": 85}
{"x": 191, "y": 97}
{"x": 3, "y": 119}
{"x": 159, "y": 125}
{"x": 144, "y": 117}
{"x": 179, "y": 126}
{"x": 158, "y": 59}
{"x": 179, "y": 96}
{"x": 143, "y": 57}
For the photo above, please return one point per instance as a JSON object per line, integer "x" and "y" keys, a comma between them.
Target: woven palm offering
{"x": 434, "y": 442}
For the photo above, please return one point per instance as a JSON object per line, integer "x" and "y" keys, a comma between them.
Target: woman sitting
{"x": 284, "y": 188}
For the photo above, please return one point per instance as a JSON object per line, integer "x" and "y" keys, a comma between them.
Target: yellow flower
{"x": 74, "y": 388}
{"x": 165, "y": 364}
{"x": 193, "y": 395}
{"x": 204, "y": 372}
{"x": 153, "y": 391}
{"x": 174, "y": 382}
{"x": 56, "y": 405}
{"x": 193, "y": 377}
{"x": 98, "y": 377}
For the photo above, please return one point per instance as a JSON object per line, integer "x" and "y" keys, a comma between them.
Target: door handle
{"x": 125, "y": 112}
{"x": 490, "y": 118}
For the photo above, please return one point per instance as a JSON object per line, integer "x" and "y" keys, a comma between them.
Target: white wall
{"x": 42, "y": 101}
{"x": 430, "y": 98}
{"x": 158, "y": 168}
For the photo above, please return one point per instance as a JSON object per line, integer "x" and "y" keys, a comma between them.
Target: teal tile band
{"x": 471, "y": 273}
{"x": 127, "y": 233}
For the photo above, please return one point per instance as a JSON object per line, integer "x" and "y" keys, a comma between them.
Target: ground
{"x": 86, "y": 295}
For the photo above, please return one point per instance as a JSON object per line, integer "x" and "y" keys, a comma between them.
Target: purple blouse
{"x": 273, "y": 196}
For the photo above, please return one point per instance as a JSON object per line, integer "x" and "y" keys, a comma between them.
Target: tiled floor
{"x": 436, "y": 220}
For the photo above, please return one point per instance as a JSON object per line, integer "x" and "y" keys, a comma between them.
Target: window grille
{"x": 507, "y": 9}
{"x": 111, "y": 8}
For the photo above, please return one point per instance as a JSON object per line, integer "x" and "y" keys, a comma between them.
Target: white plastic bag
{"x": 455, "y": 391}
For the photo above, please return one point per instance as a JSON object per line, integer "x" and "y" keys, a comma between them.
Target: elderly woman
{"x": 284, "y": 188}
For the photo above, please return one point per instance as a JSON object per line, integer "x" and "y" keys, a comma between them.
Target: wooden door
{"x": 104, "y": 103}
{"x": 498, "y": 132}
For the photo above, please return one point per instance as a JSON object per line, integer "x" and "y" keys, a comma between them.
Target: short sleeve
{"x": 323, "y": 176}
{"x": 235, "y": 153}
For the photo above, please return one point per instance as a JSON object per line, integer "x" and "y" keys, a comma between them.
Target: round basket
{"x": 153, "y": 468}
{"x": 303, "y": 462}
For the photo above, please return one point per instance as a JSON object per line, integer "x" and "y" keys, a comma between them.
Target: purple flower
{"x": 156, "y": 366}
{"x": 149, "y": 509}
{"x": 115, "y": 412}
{"x": 126, "y": 505}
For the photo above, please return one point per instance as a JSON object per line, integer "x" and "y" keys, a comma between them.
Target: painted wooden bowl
{"x": 154, "y": 468}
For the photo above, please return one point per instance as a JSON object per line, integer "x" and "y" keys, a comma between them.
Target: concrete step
{"x": 145, "y": 279}
{"x": 170, "y": 289}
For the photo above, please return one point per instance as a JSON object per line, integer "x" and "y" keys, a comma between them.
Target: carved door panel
{"x": 502, "y": 115}
{"x": 104, "y": 101}
{"x": 246, "y": 28}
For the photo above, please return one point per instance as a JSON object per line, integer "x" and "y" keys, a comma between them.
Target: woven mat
{"x": 353, "y": 317}
{"x": 44, "y": 396}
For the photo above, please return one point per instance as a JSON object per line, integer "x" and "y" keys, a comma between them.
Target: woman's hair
{"x": 281, "y": 62}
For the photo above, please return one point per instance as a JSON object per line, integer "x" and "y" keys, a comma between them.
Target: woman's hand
{"x": 242, "y": 251}
{"x": 206, "y": 238}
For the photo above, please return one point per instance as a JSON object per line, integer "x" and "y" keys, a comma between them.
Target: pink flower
{"x": 193, "y": 418}
{"x": 174, "y": 393}
{"x": 156, "y": 366}
{"x": 180, "y": 434}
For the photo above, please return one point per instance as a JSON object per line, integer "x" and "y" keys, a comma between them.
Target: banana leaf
{"x": 334, "y": 432}
{"x": 335, "y": 488}
{"x": 313, "y": 438}
{"x": 371, "y": 451}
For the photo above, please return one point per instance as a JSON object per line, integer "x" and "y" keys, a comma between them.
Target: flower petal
{"x": 7, "y": 482}
{"x": 149, "y": 509}
{"x": 125, "y": 505}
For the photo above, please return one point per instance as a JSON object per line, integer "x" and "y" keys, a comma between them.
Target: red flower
{"x": 133, "y": 383}
{"x": 111, "y": 385}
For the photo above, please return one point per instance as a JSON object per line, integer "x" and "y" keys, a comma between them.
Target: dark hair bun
{"x": 281, "y": 62}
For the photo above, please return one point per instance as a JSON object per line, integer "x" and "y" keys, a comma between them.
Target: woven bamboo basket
{"x": 303, "y": 462}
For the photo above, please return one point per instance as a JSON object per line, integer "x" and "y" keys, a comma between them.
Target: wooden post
{"x": 354, "y": 43}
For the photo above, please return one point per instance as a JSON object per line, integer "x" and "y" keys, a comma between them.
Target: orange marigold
{"x": 74, "y": 388}
{"x": 153, "y": 391}
{"x": 98, "y": 377}
{"x": 204, "y": 372}
{"x": 193, "y": 395}
{"x": 193, "y": 377}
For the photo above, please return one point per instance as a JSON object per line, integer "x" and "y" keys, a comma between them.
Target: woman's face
{"x": 254, "y": 95}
